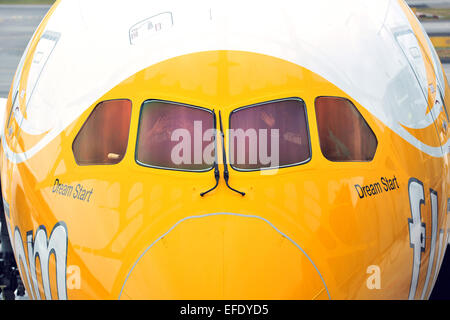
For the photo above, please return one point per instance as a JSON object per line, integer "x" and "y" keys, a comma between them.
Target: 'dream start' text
{"x": 78, "y": 192}
{"x": 376, "y": 188}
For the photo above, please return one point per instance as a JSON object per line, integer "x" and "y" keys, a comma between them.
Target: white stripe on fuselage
{"x": 354, "y": 50}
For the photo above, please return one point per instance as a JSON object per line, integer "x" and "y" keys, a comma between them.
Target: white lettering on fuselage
{"x": 42, "y": 247}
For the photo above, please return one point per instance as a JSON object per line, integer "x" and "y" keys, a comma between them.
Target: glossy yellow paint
{"x": 301, "y": 233}
{"x": 223, "y": 257}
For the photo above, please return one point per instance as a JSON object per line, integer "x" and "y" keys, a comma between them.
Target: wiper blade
{"x": 226, "y": 174}
{"x": 216, "y": 166}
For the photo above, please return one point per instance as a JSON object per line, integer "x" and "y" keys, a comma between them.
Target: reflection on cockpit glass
{"x": 344, "y": 134}
{"x": 103, "y": 139}
{"x": 269, "y": 135}
{"x": 175, "y": 136}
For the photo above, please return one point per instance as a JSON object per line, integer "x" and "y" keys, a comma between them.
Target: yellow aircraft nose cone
{"x": 224, "y": 256}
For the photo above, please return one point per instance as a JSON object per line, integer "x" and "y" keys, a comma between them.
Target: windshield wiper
{"x": 226, "y": 174}
{"x": 216, "y": 166}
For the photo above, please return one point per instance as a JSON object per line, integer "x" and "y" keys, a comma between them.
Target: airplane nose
{"x": 224, "y": 256}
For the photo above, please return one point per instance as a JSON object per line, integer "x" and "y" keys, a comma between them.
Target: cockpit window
{"x": 343, "y": 132}
{"x": 103, "y": 139}
{"x": 175, "y": 136}
{"x": 269, "y": 135}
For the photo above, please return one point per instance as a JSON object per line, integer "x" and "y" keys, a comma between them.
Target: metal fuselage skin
{"x": 319, "y": 230}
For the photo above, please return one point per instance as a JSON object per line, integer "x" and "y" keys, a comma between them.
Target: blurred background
{"x": 19, "y": 19}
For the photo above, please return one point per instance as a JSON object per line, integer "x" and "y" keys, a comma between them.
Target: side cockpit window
{"x": 175, "y": 136}
{"x": 344, "y": 134}
{"x": 103, "y": 139}
{"x": 269, "y": 135}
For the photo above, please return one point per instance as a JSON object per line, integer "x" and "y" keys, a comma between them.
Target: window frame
{"x": 139, "y": 130}
{"x": 308, "y": 131}
{"x": 362, "y": 117}
{"x": 85, "y": 123}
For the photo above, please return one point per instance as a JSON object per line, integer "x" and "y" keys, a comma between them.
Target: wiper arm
{"x": 226, "y": 174}
{"x": 216, "y": 166}
{"x": 217, "y": 176}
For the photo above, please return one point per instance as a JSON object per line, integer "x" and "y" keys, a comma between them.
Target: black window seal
{"x": 84, "y": 124}
{"x": 139, "y": 129}
{"x": 269, "y": 102}
{"x": 365, "y": 120}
